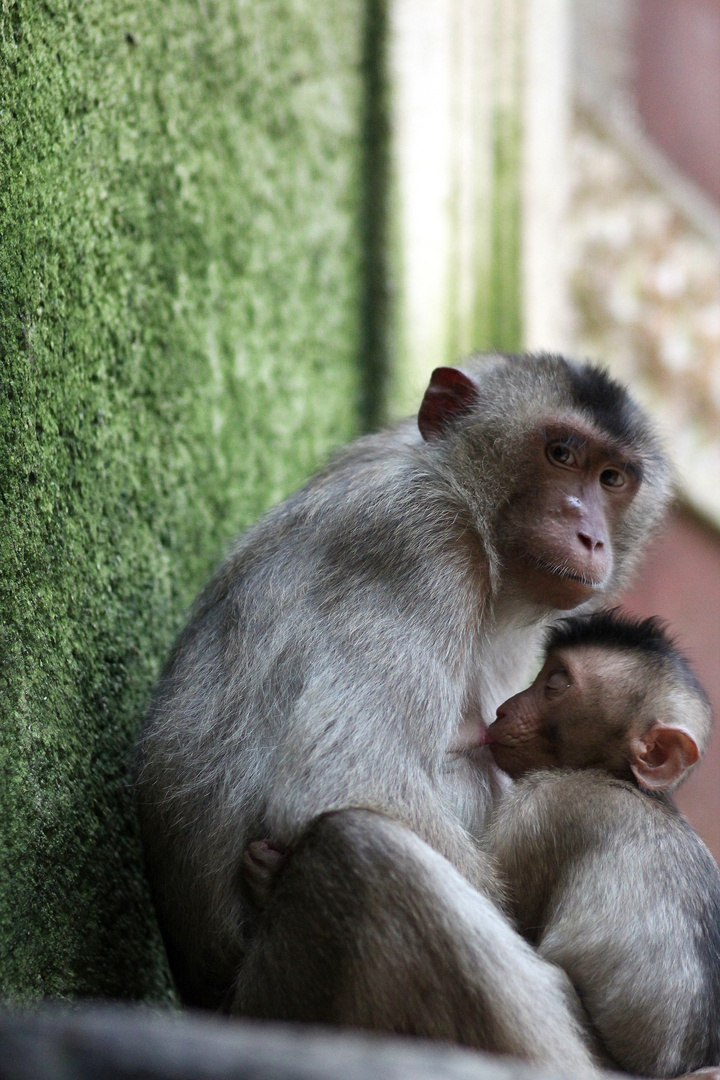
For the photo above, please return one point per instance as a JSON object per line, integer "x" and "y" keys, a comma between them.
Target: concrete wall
{"x": 480, "y": 114}
{"x": 184, "y": 212}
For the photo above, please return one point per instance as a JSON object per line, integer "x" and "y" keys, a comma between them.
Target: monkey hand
{"x": 261, "y": 864}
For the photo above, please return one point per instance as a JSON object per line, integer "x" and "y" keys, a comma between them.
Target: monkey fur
{"x": 605, "y": 876}
{"x": 346, "y": 658}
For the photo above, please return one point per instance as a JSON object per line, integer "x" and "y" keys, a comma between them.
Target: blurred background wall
{"x": 481, "y": 104}
{"x": 604, "y": 243}
{"x": 234, "y": 236}
{"x": 643, "y": 235}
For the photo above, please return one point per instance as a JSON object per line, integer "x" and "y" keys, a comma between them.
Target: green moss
{"x": 181, "y": 221}
{"x": 504, "y": 304}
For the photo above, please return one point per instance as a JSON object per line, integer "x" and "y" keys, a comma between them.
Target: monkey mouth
{"x": 567, "y": 573}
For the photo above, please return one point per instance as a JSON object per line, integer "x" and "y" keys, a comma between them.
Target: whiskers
{"x": 564, "y": 569}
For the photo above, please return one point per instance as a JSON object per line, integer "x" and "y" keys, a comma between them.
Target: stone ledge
{"x": 106, "y": 1042}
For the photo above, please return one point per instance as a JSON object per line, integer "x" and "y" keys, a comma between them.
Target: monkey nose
{"x": 590, "y": 542}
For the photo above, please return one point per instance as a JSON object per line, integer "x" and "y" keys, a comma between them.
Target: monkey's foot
{"x": 261, "y": 864}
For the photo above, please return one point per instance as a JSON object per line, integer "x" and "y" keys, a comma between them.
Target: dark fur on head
{"x": 603, "y": 399}
{"x": 614, "y": 629}
{"x": 514, "y": 393}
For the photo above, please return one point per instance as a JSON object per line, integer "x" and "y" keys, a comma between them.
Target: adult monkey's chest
{"x": 504, "y": 657}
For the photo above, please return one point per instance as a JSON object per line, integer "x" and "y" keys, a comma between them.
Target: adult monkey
{"x": 347, "y": 655}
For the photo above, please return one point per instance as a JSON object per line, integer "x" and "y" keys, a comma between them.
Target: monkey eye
{"x": 561, "y": 454}
{"x": 613, "y": 478}
{"x": 556, "y": 682}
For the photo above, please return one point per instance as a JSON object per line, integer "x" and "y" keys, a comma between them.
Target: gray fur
{"x": 446, "y": 963}
{"x": 334, "y": 656}
{"x": 605, "y": 877}
{"x": 611, "y": 884}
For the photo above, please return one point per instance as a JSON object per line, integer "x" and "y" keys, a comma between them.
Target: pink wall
{"x": 680, "y": 581}
{"x": 677, "y": 45}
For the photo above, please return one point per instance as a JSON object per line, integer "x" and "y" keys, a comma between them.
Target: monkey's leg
{"x": 368, "y": 926}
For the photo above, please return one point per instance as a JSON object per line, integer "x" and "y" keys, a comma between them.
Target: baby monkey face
{"x": 562, "y": 719}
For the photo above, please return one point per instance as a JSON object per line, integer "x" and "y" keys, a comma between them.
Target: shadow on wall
{"x": 680, "y": 581}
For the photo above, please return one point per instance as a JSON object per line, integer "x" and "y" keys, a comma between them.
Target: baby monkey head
{"x": 614, "y": 693}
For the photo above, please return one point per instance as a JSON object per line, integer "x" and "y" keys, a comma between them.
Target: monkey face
{"x": 523, "y": 736}
{"x": 575, "y": 715}
{"x": 560, "y": 524}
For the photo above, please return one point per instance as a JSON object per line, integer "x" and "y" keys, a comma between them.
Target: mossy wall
{"x": 183, "y": 215}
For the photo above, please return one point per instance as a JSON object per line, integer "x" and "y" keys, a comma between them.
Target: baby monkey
{"x": 604, "y": 875}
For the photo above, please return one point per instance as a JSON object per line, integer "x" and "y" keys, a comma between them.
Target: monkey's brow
{"x": 577, "y": 441}
{"x": 635, "y": 468}
{"x": 623, "y": 461}
{"x": 567, "y": 437}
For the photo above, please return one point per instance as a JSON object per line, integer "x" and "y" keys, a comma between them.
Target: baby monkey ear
{"x": 661, "y": 756}
{"x": 450, "y": 392}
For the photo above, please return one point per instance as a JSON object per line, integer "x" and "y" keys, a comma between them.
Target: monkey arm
{"x": 527, "y": 840}
{"x": 308, "y": 680}
{"x": 370, "y": 927}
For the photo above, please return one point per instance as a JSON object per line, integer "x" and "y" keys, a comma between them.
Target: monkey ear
{"x": 450, "y": 393}
{"x": 659, "y": 758}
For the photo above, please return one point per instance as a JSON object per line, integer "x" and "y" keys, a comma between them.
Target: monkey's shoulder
{"x": 566, "y": 785}
{"x": 570, "y": 783}
{"x": 570, "y": 806}
{"x": 378, "y": 515}
{"x": 611, "y": 833}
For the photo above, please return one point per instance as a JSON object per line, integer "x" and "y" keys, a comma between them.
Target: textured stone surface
{"x": 128, "y": 1043}
{"x": 180, "y": 255}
